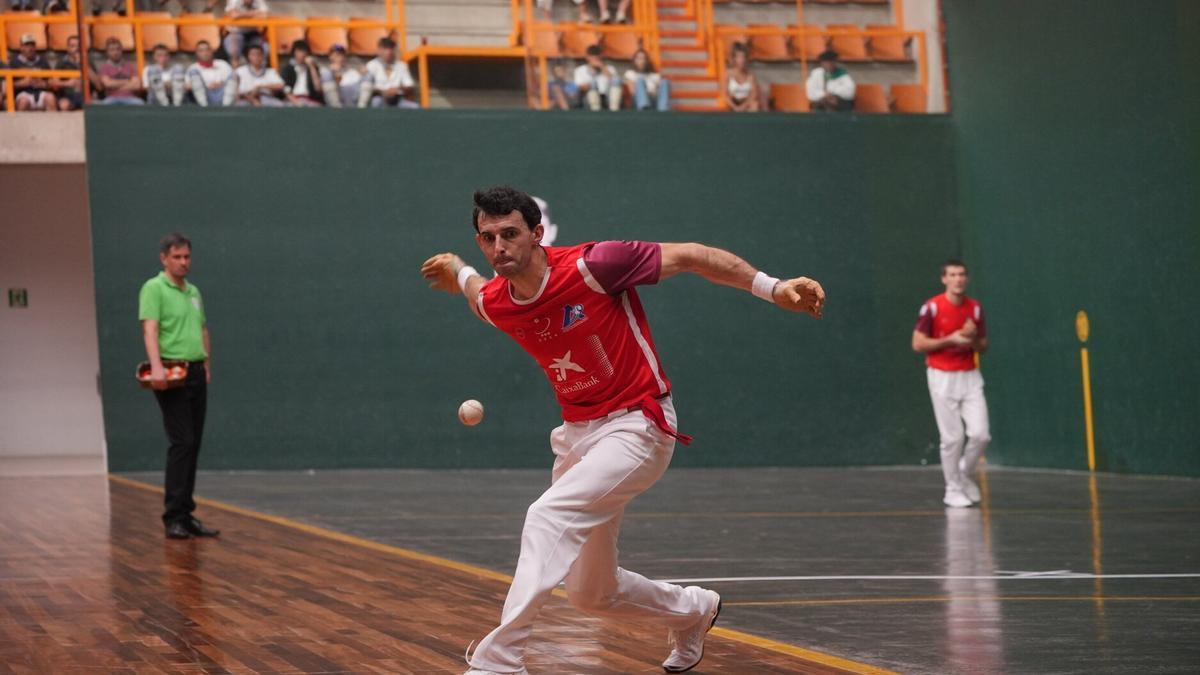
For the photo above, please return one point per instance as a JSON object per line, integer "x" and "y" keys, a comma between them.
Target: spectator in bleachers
{"x": 622, "y": 11}
{"x": 305, "y": 83}
{"x": 118, "y": 76}
{"x": 32, "y": 93}
{"x": 547, "y": 6}
{"x": 390, "y": 81}
{"x": 353, "y": 89}
{"x": 258, "y": 83}
{"x": 211, "y": 81}
{"x": 598, "y": 82}
{"x": 650, "y": 91}
{"x": 564, "y": 93}
{"x": 67, "y": 89}
{"x": 164, "y": 82}
{"x": 56, "y": 7}
{"x": 238, "y": 37}
{"x": 742, "y": 91}
{"x": 829, "y": 86}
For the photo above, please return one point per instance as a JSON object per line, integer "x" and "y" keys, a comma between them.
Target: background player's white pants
{"x": 571, "y": 532}
{"x": 958, "y": 402}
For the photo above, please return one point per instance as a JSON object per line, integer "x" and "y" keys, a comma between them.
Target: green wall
{"x": 1077, "y": 137}
{"x": 309, "y": 227}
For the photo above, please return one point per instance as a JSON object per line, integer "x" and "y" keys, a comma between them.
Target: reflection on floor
{"x": 1056, "y": 572}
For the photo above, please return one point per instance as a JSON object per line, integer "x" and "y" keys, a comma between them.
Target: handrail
{"x": 800, "y": 31}
{"x": 10, "y": 96}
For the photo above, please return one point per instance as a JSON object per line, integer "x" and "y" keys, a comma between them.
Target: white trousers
{"x": 962, "y": 420}
{"x": 571, "y": 533}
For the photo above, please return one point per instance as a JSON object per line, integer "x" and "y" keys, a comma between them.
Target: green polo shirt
{"x": 180, "y": 317}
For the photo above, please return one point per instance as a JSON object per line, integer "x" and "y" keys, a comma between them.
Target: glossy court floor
{"x": 821, "y": 570}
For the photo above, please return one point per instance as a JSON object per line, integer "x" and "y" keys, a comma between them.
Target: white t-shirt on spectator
{"x": 397, "y": 78}
{"x": 652, "y": 79}
{"x": 248, "y": 79}
{"x": 599, "y": 81}
{"x": 839, "y": 83}
{"x": 215, "y": 75}
{"x": 255, "y": 6}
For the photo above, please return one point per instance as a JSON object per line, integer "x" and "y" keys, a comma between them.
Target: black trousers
{"x": 183, "y": 412}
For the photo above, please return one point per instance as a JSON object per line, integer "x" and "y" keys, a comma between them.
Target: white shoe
{"x": 970, "y": 489}
{"x": 687, "y": 645}
{"x": 956, "y": 499}
{"x": 606, "y": 17}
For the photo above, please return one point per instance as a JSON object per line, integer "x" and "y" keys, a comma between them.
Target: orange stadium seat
{"x": 58, "y": 33}
{"x": 811, "y": 42}
{"x": 889, "y": 48}
{"x": 365, "y": 41}
{"x": 575, "y": 43}
{"x": 286, "y": 35}
{"x": 848, "y": 41}
{"x": 158, "y": 33}
{"x": 546, "y": 43}
{"x": 323, "y": 39}
{"x": 101, "y": 32}
{"x": 869, "y": 98}
{"x": 769, "y": 47}
{"x": 621, "y": 46}
{"x": 909, "y": 98}
{"x": 789, "y": 97}
{"x": 191, "y": 35}
{"x": 15, "y": 29}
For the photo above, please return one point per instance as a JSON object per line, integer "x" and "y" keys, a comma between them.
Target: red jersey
{"x": 587, "y": 330}
{"x": 938, "y": 318}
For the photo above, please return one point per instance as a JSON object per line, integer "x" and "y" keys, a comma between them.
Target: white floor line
{"x": 1024, "y": 576}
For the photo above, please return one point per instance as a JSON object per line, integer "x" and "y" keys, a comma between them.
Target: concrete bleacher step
{"x": 476, "y": 98}
{"x": 459, "y": 22}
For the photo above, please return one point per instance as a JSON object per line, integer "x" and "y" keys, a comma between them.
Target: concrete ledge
{"x": 42, "y": 138}
{"x": 53, "y": 465}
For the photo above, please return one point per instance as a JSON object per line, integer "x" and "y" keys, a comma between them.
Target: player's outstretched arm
{"x": 719, "y": 266}
{"x": 447, "y": 272}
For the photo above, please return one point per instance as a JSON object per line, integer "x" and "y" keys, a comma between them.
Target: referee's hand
{"x": 800, "y": 295}
{"x": 441, "y": 271}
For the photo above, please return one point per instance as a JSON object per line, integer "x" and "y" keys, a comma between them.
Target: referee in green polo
{"x": 174, "y": 329}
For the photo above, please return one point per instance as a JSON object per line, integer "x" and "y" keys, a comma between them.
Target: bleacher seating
{"x": 15, "y": 29}
{"x": 870, "y": 98}
{"x": 102, "y": 32}
{"x": 909, "y": 98}
{"x": 159, "y": 33}
{"x": 789, "y": 97}
{"x": 191, "y": 34}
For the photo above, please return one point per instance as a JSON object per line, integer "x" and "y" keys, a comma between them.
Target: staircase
{"x": 685, "y": 59}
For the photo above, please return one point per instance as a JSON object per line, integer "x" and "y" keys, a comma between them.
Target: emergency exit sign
{"x": 18, "y": 297}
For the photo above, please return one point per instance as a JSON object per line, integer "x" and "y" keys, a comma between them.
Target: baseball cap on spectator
{"x": 28, "y": 38}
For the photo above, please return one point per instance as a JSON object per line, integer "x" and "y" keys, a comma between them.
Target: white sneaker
{"x": 606, "y": 17}
{"x": 970, "y": 490}
{"x": 687, "y": 645}
{"x": 956, "y": 499}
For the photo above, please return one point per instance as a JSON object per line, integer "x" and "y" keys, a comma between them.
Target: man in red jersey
{"x": 575, "y": 310}
{"x": 950, "y": 331}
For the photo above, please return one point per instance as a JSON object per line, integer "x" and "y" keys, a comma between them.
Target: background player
{"x": 950, "y": 330}
{"x": 576, "y": 311}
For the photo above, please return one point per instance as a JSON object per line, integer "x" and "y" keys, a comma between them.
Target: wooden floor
{"x": 88, "y": 583}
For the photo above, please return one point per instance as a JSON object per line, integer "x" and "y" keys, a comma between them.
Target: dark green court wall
{"x": 309, "y": 227}
{"x": 1077, "y": 137}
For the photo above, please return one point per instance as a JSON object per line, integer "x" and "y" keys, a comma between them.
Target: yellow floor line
{"x": 957, "y": 598}
{"x": 726, "y": 633}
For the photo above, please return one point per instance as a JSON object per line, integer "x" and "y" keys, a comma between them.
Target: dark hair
{"x": 828, "y": 55}
{"x": 387, "y": 42}
{"x": 111, "y": 41}
{"x": 203, "y": 42}
{"x": 173, "y": 240}
{"x": 594, "y": 50}
{"x": 301, "y": 44}
{"x": 255, "y": 46}
{"x": 160, "y": 46}
{"x": 649, "y": 63}
{"x": 503, "y": 200}
{"x": 953, "y": 262}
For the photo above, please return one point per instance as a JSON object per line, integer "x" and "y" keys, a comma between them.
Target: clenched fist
{"x": 442, "y": 272}
{"x": 800, "y": 295}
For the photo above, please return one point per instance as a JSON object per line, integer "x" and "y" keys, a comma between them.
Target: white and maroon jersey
{"x": 587, "y": 330}
{"x": 938, "y": 318}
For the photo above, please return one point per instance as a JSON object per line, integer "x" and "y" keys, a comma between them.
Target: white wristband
{"x": 465, "y": 273}
{"x": 764, "y": 286}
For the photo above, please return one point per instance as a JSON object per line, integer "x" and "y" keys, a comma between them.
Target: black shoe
{"x": 176, "y": 530}
{"x": 197, "y": 528}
